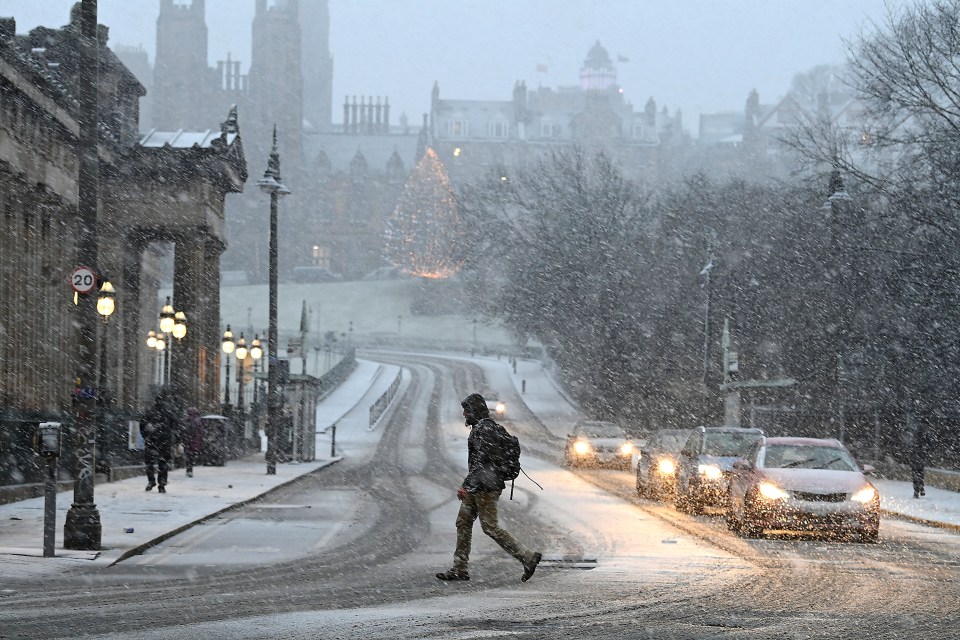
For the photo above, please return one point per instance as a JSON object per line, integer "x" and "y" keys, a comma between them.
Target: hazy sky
{"x": 698, "y": 55}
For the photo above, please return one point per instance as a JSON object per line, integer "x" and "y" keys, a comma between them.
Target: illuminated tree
{"x": 423, "y": 234}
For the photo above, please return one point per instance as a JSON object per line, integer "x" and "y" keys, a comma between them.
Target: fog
{"x": 695, "y": 55}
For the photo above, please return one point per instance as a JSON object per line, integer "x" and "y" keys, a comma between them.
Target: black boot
{"x": 530, "y": 567}
{"x": 453, "y": 574}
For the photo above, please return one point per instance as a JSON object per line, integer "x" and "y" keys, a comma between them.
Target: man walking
{"x": 480, "y": 493}
{"x": 157, "y": 428}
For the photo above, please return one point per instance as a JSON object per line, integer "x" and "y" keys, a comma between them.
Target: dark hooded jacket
{"x": 481, "y": 474}
{"x": 158, "y": 427}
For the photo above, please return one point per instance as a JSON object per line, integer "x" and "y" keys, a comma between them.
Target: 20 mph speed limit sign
{"x": 83, "y": 280}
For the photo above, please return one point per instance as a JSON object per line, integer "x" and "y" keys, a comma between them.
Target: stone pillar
{"x": 135, "y": 328}
{"x": 210, "y": 348}
{"x": 186, "y": 368}
{"x": 195, "y": 365}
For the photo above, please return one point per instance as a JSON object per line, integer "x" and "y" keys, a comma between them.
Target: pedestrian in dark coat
{"x": 191, "y": 436}
{"x": 479, "y": 494}
{"x": 158, "y": 427}
{"x": 919, "y": 451}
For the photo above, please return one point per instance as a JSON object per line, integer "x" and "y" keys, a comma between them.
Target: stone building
{"x": 472, "y": 137}
{"x": 344, "y": 180}
{"x": 165, "y": 187}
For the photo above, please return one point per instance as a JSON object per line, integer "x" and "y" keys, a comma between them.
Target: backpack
{"x": 505, "y": 453}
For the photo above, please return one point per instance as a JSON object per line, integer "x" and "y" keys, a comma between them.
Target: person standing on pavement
{"x": 157, "y": 427}
{"x": 191, "y": 436}
{"x": 919, "y": 449}
{"x": 479, "y": 495}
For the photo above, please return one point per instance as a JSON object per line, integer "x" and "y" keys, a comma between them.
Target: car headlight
{"x": 626, "y": 448}
{"x": 866, "y": 494}
{"x": 581, "y": 447}
{"x": 771, "y": 491}
{"x": 666, "y": 467}
{"x": 500, "y": 408}
{"x": 710, "y": 471}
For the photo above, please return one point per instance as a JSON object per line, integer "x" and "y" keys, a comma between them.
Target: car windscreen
{"x": 670, "y": 442}
{"x": 729, "y": 444}
{"x": 600, "y": 430}
{"x": 789, "y": 456}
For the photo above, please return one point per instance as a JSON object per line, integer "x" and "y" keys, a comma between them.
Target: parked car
{"x": 802, "y": 484}
{"x": 599, "y": 443}
{"x": 657, "y": 465}
{"x": 705, "y": 463}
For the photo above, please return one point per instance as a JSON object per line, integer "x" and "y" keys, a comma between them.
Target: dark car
{"x": 599, "y": 443}
{"x": 705, "y": 463}
{"x": 802, "y": 484}
{"x": 657, "y": 465}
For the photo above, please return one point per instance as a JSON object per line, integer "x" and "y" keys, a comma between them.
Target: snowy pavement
{"x": 133, "y": 520}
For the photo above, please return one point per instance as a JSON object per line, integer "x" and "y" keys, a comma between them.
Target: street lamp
{"x": 161, "y": 347}
{"x": 256, "y": 352}
{"x": 271, "y": 184}
{"x": 227, "y": 345}
{"x": 241, "y": 359}
{"x": 106, "y": 305}
{"x": 167, "y": 323}
{"x": 167, "y": 320}
{"x": 179, "y": 325}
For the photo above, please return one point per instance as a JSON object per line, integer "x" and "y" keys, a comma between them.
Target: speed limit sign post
{"x": 83, "y": 280}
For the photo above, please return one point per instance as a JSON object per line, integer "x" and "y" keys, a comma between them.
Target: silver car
{"x": 802, "y": 484}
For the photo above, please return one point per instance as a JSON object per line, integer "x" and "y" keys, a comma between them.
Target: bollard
{"x": 47, "y": 443}
{"x": 50, "y": 509}
{"x": 333, "y": 440}
{"x": 523, "y": 386}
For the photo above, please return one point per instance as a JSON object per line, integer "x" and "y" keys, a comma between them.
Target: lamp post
{"x": 270, "y": 183}
{"x": 106, "y": 305}
{"x": 227, "y": 345}
{"x": 256, "y": 352}
{"x": 161, "y": 347}
{"x": 82, "y": 529}
{"x": 241, "y": 360}
{"x": 167, "y": 323}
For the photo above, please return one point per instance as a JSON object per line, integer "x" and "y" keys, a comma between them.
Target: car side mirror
{"x": 869, "y": 469}
{"x": 743, "y": 465}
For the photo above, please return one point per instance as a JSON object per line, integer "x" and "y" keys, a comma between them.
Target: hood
{"x": 476, "y": 405}
{"x": 610, "y": 443}
{"x": 816, "y": 480}
{"x": 724, "y": 462}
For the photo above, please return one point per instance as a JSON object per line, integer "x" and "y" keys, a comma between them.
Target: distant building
{"x": 475, "y": 136}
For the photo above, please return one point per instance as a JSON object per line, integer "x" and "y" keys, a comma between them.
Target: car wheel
{"x": 733, "y": 523}
{"x": 748, "y": 528}
{"x": 869, "y": 536}
{"x": 683, "y": 501}
{"x": 694, "y": 502}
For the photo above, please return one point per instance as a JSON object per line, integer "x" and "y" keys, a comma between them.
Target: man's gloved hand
{"x": 461, "y": 494}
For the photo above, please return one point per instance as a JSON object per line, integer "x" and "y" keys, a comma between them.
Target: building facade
{"x": 150, "y": 192}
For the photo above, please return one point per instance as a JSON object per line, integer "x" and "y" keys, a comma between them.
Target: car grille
{"x": 819, "y": 497}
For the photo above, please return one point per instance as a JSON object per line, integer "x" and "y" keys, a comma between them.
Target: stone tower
{"x": 276, "y": 82}
{"x": 317, "y": 64}
{"x": 180, "y": 76}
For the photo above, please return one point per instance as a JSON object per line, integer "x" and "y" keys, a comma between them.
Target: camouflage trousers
{"x": 483, "y": 504}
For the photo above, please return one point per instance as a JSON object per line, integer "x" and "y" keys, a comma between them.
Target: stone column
{"x": 210, "y": 350}
{"x": 134, "y": 332}
{"x": 186, "y": 368}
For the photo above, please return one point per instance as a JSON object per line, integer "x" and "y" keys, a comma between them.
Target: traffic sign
{"x": 83, "y": 280}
